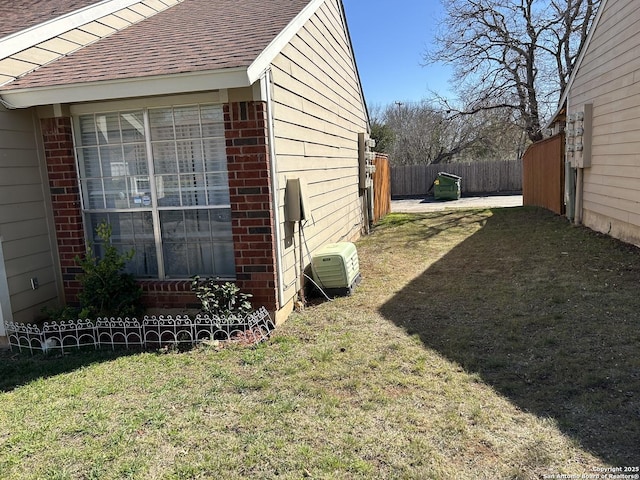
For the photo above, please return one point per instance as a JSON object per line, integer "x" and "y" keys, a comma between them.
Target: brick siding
{"x": 65, "y": 200}
{"x": 251, "y": 206}
{"x": 174, "y": 294}
{"x": 251, "y": 200}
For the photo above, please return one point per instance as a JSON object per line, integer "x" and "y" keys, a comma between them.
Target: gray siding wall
{"x": 24, "y": 222}
{"x": 318, "y": 112}
{"x": 609, "y": 78}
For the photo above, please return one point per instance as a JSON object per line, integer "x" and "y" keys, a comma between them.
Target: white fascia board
{"x": 127, "y": 88}
{"x": 263, "y": 61}
{"x": 31, "y": 36}
{"x": 576, "y": 67}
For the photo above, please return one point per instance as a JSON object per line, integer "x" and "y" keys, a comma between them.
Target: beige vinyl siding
{"x": 318, "y": 113}
{"x": 24, "y": 225}
{"x": 609, "y": 78}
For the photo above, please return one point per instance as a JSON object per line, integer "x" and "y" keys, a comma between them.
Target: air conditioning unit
{"x": 336, "y": 269}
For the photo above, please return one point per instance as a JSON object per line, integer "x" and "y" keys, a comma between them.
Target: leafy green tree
{"x": 384, "y": 136}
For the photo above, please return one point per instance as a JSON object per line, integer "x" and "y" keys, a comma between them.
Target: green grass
{"x": 481, "y": 344}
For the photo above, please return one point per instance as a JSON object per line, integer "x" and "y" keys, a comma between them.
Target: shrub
{"x": 107, "y": 291}
{"x": 223, "y": 299}
{"x": 64, "y": 313}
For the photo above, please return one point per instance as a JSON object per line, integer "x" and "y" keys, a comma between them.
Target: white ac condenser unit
{"x": 336, "y": 268}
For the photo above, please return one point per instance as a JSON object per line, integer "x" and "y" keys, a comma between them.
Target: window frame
{"x": 215, "y": 99}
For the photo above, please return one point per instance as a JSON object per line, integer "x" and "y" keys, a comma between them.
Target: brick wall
{"x": 174, "y": 294}
{"x": 251, "y": 200}
{"x": 65, "y": 200}
{"x": 251, "y": 206}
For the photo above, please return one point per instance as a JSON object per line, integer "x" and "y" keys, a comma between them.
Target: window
{"x": 159, "y": 177}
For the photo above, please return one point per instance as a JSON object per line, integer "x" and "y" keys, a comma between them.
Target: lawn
{"x": 480, "y": 344}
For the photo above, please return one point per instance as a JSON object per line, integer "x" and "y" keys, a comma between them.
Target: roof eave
{"x": 266, "y": 57}
{"x": 126, "y": 88}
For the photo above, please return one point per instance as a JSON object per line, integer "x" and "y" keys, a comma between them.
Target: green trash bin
{"x": 446, "y": 186}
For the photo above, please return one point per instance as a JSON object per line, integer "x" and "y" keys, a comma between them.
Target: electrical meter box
{"x": 336, "y": 268}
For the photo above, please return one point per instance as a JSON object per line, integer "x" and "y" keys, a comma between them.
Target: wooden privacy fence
{"x": 479, "y": 177}
{"x": 543, "y": 176}
{"x": 381, "y": 187}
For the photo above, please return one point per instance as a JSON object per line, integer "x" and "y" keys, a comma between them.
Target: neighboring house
{"x": 602, "y": 109}
{"x": 181, "y": 123}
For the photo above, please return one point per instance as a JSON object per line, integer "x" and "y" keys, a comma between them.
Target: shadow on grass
{"x": 546, "y": 314}
{"x": 418, "y": 227}
{"x": 18, "y": 369}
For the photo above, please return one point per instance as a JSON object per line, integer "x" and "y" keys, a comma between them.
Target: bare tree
{"x": 423, "y": 134}
{"x": 513, "y": 54}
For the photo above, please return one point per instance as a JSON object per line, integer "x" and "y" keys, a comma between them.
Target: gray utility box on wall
{"x": 295, "y": 202}
{"x": 336, "y": 268}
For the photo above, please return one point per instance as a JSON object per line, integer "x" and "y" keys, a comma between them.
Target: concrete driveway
{"x": 429, "y": 204}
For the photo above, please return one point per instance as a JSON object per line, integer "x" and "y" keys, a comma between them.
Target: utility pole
{"x": 400, "y": 128}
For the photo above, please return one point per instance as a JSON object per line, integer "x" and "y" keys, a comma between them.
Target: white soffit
{"x": 127, "y": 88}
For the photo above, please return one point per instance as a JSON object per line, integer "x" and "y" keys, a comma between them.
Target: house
{"x": 600, "y": 111}
{"x": 193, "y": 127}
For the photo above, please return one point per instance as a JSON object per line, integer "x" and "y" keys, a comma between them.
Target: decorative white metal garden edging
{"x": 130, "y": 333}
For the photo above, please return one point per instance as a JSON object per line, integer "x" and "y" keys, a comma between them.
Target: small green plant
{"x": 64, "y": 313}
{"x": 224, "y": 299}
{"x": 107, "y": 291}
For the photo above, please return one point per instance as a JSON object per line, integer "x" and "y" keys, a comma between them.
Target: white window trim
{"x": 144, "y": 104}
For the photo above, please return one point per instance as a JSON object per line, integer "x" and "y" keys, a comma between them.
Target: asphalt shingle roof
{"x": 196, "y": 35}
{"x": 16, "y": 15}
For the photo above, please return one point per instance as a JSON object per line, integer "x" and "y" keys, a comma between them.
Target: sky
{"x": 389, "y": 39}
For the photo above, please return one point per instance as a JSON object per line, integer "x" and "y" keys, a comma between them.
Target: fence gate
{"x": 381, "y": 186}
{"x": 543, "y": 174}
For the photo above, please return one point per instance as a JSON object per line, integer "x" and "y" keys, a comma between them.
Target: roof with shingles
{"x": 196, "y": 35}
{"x": 17, "y": 15}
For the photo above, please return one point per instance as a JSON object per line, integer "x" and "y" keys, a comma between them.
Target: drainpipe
{"x": 583, "y": 138}
{"x": 6, "y": 314}
{"x": 570, "y": 189}
{"x": 266, "y": 91}
{"x": 578, "y": 206}
{"x": 573, "y": 174}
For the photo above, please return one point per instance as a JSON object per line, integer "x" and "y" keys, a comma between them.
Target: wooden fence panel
{"x": 479, "y": 177}
{"x": 381, "y": 187}
{"x": 543, "y": 175}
